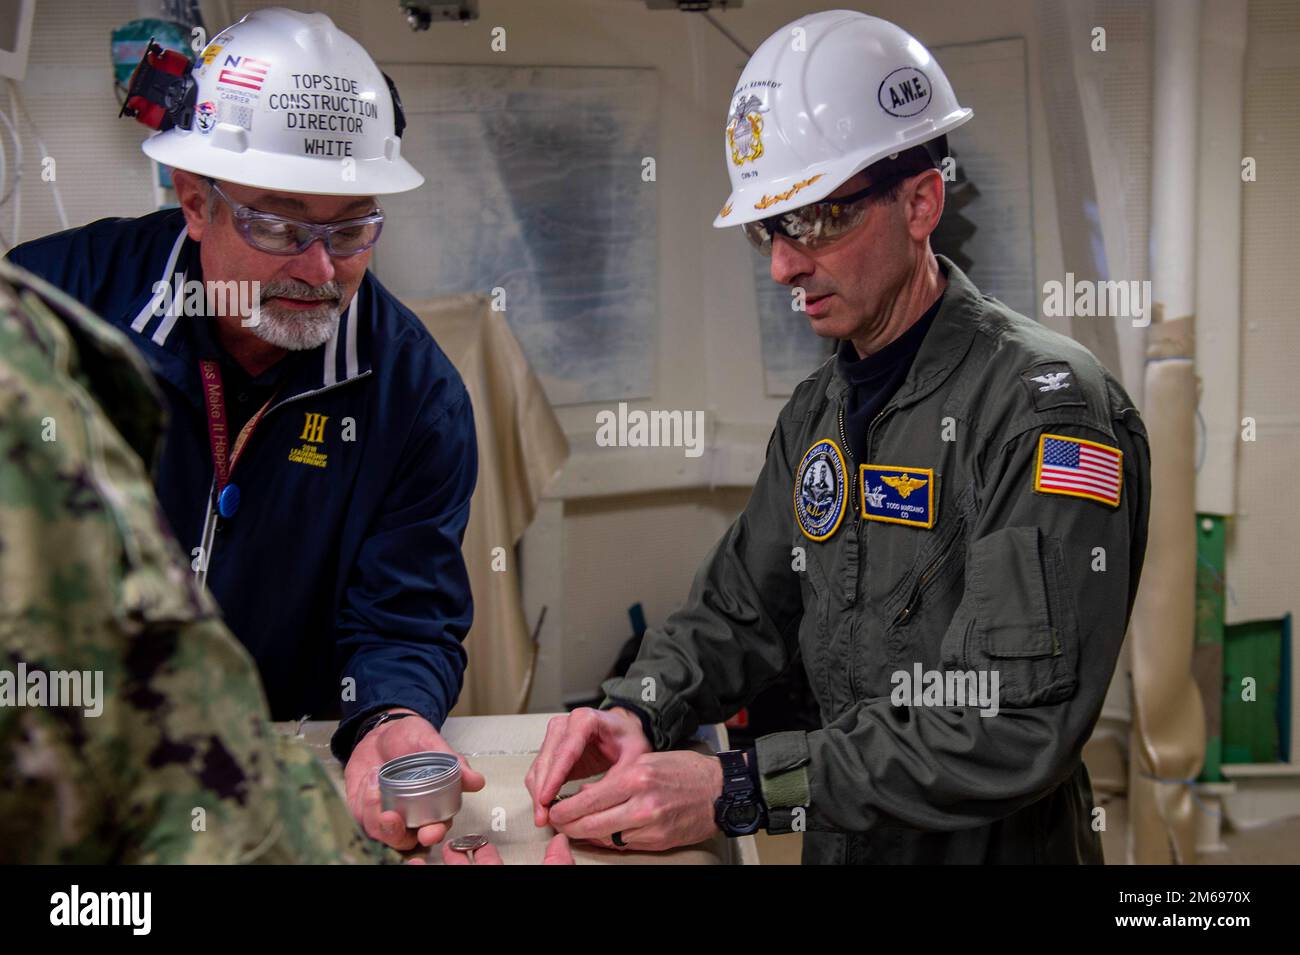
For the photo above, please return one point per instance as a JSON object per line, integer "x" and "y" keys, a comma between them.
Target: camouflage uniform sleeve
{"x": 167, "y": 754}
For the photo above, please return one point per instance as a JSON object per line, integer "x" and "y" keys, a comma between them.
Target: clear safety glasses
{"x": 818, "y": 223}
{"x": 280, "y": 235}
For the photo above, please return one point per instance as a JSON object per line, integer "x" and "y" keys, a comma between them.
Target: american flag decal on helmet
{"x": 243, "y": 72}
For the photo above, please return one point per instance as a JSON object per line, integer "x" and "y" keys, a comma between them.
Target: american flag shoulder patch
{"x": 1078, "y": 468}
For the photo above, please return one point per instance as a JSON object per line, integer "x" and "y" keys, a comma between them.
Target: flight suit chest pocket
{"x": 1025, "y": 623}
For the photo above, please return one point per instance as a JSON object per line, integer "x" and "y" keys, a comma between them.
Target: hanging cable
{"x": 18, "y": 106}
{"x": 12, "y": 193}
{"x": 4, "y": 169}
{"x": 728, "y": 34}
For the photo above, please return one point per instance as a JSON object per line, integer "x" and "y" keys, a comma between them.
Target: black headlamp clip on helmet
{"x": 399, "y": 115}
{"x": 162, "y": 91}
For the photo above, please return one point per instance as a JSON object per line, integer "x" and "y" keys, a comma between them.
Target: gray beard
{"x": 298, "y": 329}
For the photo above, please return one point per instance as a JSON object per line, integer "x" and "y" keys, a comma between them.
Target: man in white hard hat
{"x": 943, "y": 593}
{"x": 320, "y": 453}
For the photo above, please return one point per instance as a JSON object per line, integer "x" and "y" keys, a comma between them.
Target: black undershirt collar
{"x": 873, "y": 380}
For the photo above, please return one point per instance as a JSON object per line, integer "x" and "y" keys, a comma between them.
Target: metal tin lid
{"x": 417, "y": 773}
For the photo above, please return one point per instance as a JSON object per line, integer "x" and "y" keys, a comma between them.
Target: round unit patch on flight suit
{"x": 821, "y": 490}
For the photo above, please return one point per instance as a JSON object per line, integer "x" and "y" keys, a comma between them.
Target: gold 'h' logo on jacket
{"x": 314, "y": 429}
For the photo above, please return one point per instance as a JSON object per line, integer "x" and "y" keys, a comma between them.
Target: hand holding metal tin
{"x": 386, "y": 742}
{"x": 423, "y": 788}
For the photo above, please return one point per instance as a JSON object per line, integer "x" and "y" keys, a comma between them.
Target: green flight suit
{"x": 995, "y": 561}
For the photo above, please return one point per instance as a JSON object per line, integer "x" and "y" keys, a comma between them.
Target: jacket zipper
{"x": 208, "y": 541}
{"x": 848, "y": 451}
{"x": 857, "y": 526}
{"x": 853, "y": 470}
{"x": 870, "y": 428}
{"x": 926, "y": 576}
{"x": 316, "y": 391}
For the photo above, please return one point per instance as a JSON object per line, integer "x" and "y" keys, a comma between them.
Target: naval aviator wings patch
{"x": 897, "y": 495}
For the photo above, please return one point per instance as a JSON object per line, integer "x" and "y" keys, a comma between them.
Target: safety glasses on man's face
{"x": 818, "y": 223}
{"x": 281, "y": 235}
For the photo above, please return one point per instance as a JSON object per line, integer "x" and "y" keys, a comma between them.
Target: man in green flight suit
{"x": 948, "y": 529}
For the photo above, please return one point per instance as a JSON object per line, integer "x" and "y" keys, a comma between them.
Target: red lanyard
{"x": 223, "y": 456}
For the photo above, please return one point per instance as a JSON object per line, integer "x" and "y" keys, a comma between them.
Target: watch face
{"x": 742, "y": 816}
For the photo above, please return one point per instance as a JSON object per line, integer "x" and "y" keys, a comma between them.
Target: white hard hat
{"x": 283, "y": 99}
{"x": 822, "y": 99}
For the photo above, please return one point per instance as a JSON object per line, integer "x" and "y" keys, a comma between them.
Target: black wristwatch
{"x": 740, "y": 810}
{"x": 371, "y": 722}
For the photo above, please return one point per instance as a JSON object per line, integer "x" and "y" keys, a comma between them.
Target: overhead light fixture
{"x": 421, "y": 13}
{"x": 694, "y": 6}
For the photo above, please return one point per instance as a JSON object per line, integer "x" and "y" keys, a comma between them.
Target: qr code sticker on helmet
{"x": 235, "y": 114}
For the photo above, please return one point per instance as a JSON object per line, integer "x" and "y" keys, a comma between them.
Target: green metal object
{"x": 1253, "y": 727}
{"x": 126, "y": 49}
{"x": 1207, "y": 656}
{"x": 130, "y": 39}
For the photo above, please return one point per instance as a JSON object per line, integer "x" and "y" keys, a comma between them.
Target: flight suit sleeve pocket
{"x": 1024, "y": 626}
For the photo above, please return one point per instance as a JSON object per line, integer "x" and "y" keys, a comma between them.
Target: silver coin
{"x": 469, "y": 843}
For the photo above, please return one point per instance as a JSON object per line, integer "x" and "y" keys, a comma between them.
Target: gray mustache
{"x": 327, "y": 292}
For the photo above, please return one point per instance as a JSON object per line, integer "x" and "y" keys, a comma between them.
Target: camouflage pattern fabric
{"x": 181, "y": 764}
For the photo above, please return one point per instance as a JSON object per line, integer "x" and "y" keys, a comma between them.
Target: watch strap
{"x": 735, "y": 773}
{"x": 740, "y": 787}
{"x": 373, "y": 722}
